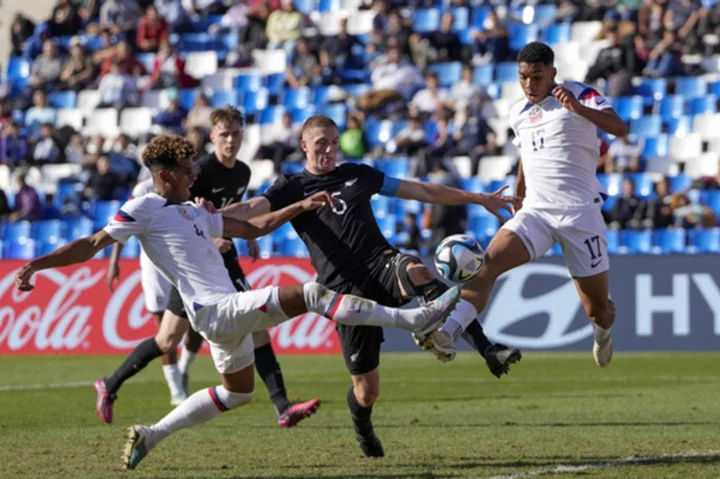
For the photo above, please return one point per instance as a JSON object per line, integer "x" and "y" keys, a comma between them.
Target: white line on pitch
{"x": 597, "y": 465}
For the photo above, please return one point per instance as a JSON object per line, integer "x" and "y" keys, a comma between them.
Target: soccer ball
{"x": 459, "y": 258}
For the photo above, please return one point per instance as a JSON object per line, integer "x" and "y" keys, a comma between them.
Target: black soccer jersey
{"x": 342, "y": 240}
{"x": 222, "y": 185}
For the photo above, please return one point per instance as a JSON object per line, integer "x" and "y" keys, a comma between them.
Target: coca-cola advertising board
{"x": 72, "y": 311}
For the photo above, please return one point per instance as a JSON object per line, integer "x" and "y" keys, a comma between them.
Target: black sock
{"x": 143, "y": 353}
{"x": 360, "y": 415}
{"x": 475, "y": 335}
{"x": 269, "y": 370}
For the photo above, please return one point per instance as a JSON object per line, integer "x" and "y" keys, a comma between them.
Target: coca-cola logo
{"x": 309, "y": 331}
{"x": 115, "y": 313}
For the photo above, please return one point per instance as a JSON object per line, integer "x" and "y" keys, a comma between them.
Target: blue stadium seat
{"x": 555, "y": 250}
{"x": 448, "y": 73}
{"x": 76, "y": 228}
{"x": 131, "y": 248}
{"x": 293, "y": 98}
{"x": 291, "y": 167}
{"x": 670, "y": 241}
{"x": 483, "y": 75}
{"x": 62, "y": 99}
{"x": 357, "y": 89}
{"x": 222, "y": 98}
{"x": 629, "y": 107}
{"x": 305, "y": 6}
{"x": 544, "y": 14}
{"x": 272, "y": 114}
{"x": 611, "y": 182}
{"x": 702, "y": 105}
{"x": 461, "y": 17}
{"x": 103, "y": 211}
{"x": 506, "y": 71}
{"x": 248, "y": 82}
{"x": 47, "y": 247}
{"x": 15, "y": 232}
{"x": 655, "y": 146}
{"x": 484, "y": 226}
{"x": 520, "y": 35}
{"x": 637, "y": 241}
{"x": 201, "y": 42}
{"x": 558, "y": 33}
{"x": 241, "y": 247}
{"x": 187, "y": 98}
{"x": 388, "y": 225}
{"x": 294, "y": 247}
{"x": 474, "y": 184}
{"x": 690, "y": 87}
{"x": 47, "y": 230}
{"x": 265, "y": 245}
{"x": 147, "y": 60}
{"x": 497, "y": 184}
{"x": 18, "y": 68}
{"x": 646, "y": 126}
{"x": 254, "y": 101}
{"x": 320, "y": 95}
{"x": 478, "y": 16}
{"x": 283, "y": 232}
{"x": 330, "y": 5}
{"x": 274, "y": 82}
{"x": 644, "y": 186}
{"x": 679, "y": 126}
{"x": 299, "y": 115}
{"x": 426, "y": 20}
{"x": 395, "y": 167}
{"x": 680, "y": 182}
{"x": 711, "y": 198}
{"x": 22, "y": 249}
{"x": 652, "y": 89}
{"x": 705, "y": 240}
{"x": 613, "y": 241}
{"x": 378, "y": 132}
{"x": 671, "y": 107}
{"x": 336, "y": 111}
{"x": 380, "y": 205}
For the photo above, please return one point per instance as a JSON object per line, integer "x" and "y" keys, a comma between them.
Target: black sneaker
{"x": 499, "y": 357}
{"x": 370, "y": 446}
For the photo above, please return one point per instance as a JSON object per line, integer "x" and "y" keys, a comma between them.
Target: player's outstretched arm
{"x": 245, "y": 210}
{"x": 76, "y": 252}
{"x": 445, "y": 195}
{"x": 607, "y": 120}
{"x": 264, "y": 224}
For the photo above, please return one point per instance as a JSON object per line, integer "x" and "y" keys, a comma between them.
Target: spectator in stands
{"x": 119, "y": 16}
{"x": 336, "y": 51}
{"x": 46, "y": 68}
{"x": 708, "y": 182}
{"x": 491, "y": 43}
{"x": 107, "y": 48}
{"x": 639, "y": 55}
{"x": 394, "y": 80}
{"x": 397, "y": 30}
{"x": 40, "y": 114}
{"x": 202, "y": 8}
{"x": 659, "y": 212}
{"x": 198, "y": 137}
{"x": 444, "y": 220}
{"x": 117, "y": 89}
{"x": 629, "y": 209}
{"x": 172, "y": 118}
{"x": 235, "y": 19}
{"x": 13, "y": 147}
{"x": 650, "y": 20}
{"x": 65, "y": 19}
{"x": 410, "y": 140}
{"x": 465, "y": 90}
{"x": 681, "y": 17}
{"x": 285, "y": 26}
{"x": 75, "y": 150}
{"x": 5, "y": 115}
{"x": 103, "y": 184}
{"x": 28, "y": 206}
{"x": 623, "y": 156}
{"x": 612, "y": 66}
{"x": 352, "y": 140}
{"x": 279, "y": 141}
{"x": 4, "y": 206}
{"x": 46, "y": 149}
{"x": 88, "y": 9}
{"x": 432, "y": 98}
{"x": 174, "y": 14}
{"x": 380, "y": 20}
{"x": 413, "y": 238}
{"x": 472, "y": 137}
{"x": 445, "y": 43}
{"x": 304, "y": 70}
{"x": 129, "y": 65}
{"x": 691, "y": 215}
{"x": 78, "y": 71}
{"x": 664, "y": 59}
{"x": 199, "y": 114}
{"x": 169, "y": 69}
{"x": 152, "y": 30}
{"x": 21, "y": 29}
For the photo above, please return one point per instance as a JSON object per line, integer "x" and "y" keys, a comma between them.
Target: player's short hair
{"x": 164, "y": 152}
{"x": 318, "y": 121}
{"x": 226, "y": 115}
{"x": 536, "y": 52}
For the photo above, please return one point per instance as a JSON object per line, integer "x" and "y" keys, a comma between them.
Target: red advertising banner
{"x": 72, "y": 311}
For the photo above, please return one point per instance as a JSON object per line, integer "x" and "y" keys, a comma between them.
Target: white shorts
{"x": 580, "y": 233}
{"x": 228, "y": 323}
{"x": 156, "y": 288}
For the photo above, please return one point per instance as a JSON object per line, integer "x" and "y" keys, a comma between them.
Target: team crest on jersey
{"x": 184, "y": 213}
{"x": 535, "y": 114}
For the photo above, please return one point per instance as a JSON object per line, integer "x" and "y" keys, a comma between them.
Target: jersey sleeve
{"x": 132, "y": 219}
{"x": 591, "y": 98}
{"x": 376, "y": 181}
{"x": 281, "y": 193}
{"x": 215, "y": 224}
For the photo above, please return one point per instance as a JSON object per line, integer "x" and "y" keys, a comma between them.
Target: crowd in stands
{"x": 420, "y": 88}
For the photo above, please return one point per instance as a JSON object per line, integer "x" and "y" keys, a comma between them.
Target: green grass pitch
{"x": 555, "y": 415}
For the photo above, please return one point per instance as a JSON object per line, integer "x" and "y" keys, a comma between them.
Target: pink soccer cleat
{"x": 297, "y": 412}
{"x": 104, "y": 401}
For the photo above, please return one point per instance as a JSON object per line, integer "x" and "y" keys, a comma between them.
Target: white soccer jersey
{"x": 142, "y": 188}
{"x": 559, "y": 149}
{"x": 177, "y": 237}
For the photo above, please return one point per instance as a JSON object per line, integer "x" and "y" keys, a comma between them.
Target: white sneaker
{"x": 426, "y": 343}
{"x": 178, "y": 398}
{"x": 603, "y": 351}
{"x": 139, "y": 442}
{"x": 443, "y": 345}
{"x": 437, "y": 311}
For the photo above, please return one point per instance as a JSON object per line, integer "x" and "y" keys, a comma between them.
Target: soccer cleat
{"x": 438, "y": 310}
{"x": 297, "y": 412}
{"x": 104, "y": 401}
{"x": 186, "y": 383}
{"x": 178, "y": 399}
{"x": 603, "y": 351}
{"x": 370, "y": 446}
{"x": 137, "y": 446}
{"x": 499, "y": 357}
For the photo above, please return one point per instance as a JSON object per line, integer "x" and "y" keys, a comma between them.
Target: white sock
{"x": 186, "y": 359}
{"x": 356, "y": 311}
{"x": 197, "y": 409}
{"x": 461, "y": 317}
{"x": 599, "y": 333}
{"x": 173, "y": 378}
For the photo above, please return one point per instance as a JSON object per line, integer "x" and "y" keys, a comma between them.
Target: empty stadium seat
{"x": 690, "y": 87}
{"x": 271, "y": 114}
{"x": 646, "y": 126}
{"x": 336, "y": 111}
{"x": 611, "y": 182}
{"x": 644, "y": 186}
{"x": 380, "y": 205}
{"x": 274, "y": 82}
{"x": 629, "y": 107}
{"x": 262, "y": 171}
{"x": 585, "y": 32}
{"x": 102, "y": 213}
{"x": 483, "y": 75}
{"x": 685, "y": 147}
{"x": 22, "y": 249}
{"x": 655, "y": 146}
{"x": 17, "y": 231}
{"x": 294, "y": 247}
{"x": 388, "y": 225}
{"x": 679, "y": 126}
{"x": 506, "y": 71}
{"x": 293, "y": 98}
{"x": 557, "y": 34}
{"x": 378, "y": 132}
{"x": 72, "y": 117}
{"x": 102, "y": 121}
{"x": 670, "y": 241}
{"x": 131, "y": 248}
{"x": 484, "y": 226}
{"x": 637, "y": 241}
{"x": 62, "y": 99}
{"x": 136, "y": 121}
{"x": 702, "y": 165}
{"x": 613, "y": 241}
{"x": 395, "y": 167}
{"x": 76, "y": 228}
{"x": 702, "y": 106}
{"x": 520, "y": 35}
{"x": 426, "y": 20}
{"x": 652, "y": 89}
{"x": 705, "y": 240}
{"x": 222, "y": 98}
{"x": 248, "y": 82}
{"x": 672, "y": 106}
{"x": 254, "y": 101}
{"x": 679, "y": 182}
{"x": 47, "y": 230}
{"x": 495, "y": 167}
{"x": 265, "y": 245}
{"x": 87, "y": 101}
{"x": 47, "y": 247}
{"x": 448, "y": 73}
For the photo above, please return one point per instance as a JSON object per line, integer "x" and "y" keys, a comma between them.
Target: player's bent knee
{"x": 226, "y": 400}
{"x": 367, "y": 394}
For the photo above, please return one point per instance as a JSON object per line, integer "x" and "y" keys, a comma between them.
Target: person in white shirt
{"x": 177, "y": 235}
{"x": 432, "y": 98}
{"x": 556, "y": 130}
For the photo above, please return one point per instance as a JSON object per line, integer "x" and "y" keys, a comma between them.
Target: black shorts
{"x": 237, "y": 275}
{"x": 361, "y": 344}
